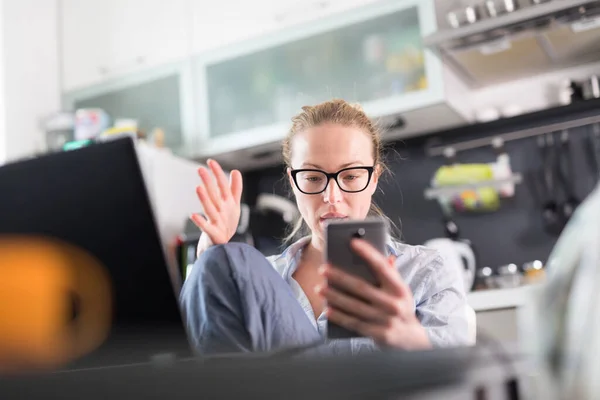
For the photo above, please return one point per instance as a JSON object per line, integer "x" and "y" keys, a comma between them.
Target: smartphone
{"x": 338, "y": 253}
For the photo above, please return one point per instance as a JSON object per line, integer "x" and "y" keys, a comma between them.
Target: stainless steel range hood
{"x": 531, "y": 40}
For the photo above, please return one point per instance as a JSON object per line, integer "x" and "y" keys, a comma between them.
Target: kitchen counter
{"x": 494, "y": 299}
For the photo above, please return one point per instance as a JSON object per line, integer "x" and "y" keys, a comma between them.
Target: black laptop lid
{"x": 96, "y": 199}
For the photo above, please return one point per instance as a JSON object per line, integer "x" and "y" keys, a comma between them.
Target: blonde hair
{"x": 336, "y": 111}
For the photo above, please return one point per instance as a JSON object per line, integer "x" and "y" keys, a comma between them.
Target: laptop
{"x": 96, "y": 198}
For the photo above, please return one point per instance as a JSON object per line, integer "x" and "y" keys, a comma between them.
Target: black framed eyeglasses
{"x": 315, "y": 181}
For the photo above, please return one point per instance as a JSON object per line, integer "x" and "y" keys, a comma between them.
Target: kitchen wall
{"x": 514, "y": 234}
{"x": 3, "y": 138}
{"x": 29, "y": 77}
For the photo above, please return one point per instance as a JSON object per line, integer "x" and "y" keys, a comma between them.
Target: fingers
{"x": 347, "y": 304}
{"x": 236, "y": 185}
{"x": 211, "y": 187}
{"x": 206, "y": 227}
{"x": 201, "y": 223}
{"x": 388, "y": 277}
{"x": 361, "y": 289}
{"x": 352, "y": 323}
{"x": 222, "y": 182}
{"x": 207, "y": 205}
{"x": 392, "y": 261}
{"x": 395, "y": 334}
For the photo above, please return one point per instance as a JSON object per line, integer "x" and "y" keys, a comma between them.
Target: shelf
{"x": 495, "y": 299}
{"x": 529, "y": 41}
{"x": 441, "y": 191}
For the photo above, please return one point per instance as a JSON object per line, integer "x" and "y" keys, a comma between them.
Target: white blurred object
{"x": 511, "y": 110}
{"x": 471, "y": 325}
{"x": 502, "y": 169}
{"x": 90, "y": 122}
{"x": 457, "y": 255}
{"x": 487, "y": 115}
{"x": 271, "y": 202}
{"x": 567, "y": 316}
{"x": 171, "y": 182}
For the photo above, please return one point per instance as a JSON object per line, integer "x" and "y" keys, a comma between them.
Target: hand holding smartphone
{"x": 339, "y": 254}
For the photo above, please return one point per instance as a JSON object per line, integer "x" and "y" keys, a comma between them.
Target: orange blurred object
{"x": 41, "y": 279}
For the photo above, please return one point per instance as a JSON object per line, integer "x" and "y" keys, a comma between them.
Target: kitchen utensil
{"x": 485, "y": 279}
{"x": 496, "y": 8}
{"x": 502, "y": 168}
{"x": 552, "y": 217}
{"x": 593, "y": 152}
{"x": 533, "y": 272}
{"x": 508, "y": 276}
{"x": 465, "y": 16}
{"x": 566, "y": 174}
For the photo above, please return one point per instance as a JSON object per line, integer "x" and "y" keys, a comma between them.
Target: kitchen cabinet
{"x": 373, "y": 54}
{"x": 157, "y": 98}
{"x": 104, "y": 39}
{"x": 505, "y": 315}
{"x": 232, "y": 97}
{"x": 223, "y": 23}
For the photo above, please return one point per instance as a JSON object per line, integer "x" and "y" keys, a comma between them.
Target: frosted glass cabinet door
{"x": 159, "y": 98}
{"x": 368, "y": 60}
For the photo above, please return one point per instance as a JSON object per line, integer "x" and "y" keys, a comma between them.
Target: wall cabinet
{"x": 228, "y": 22}
{"x": 237, "y": 95}
{"x": 104, "y": 39}
{"x": 157, "y": 98}
{"x": 372, "y": 54}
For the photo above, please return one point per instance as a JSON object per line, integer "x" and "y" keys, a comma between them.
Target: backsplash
{"x": 513, "y": 234}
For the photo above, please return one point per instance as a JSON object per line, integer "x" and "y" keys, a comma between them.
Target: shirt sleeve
{"x": 440, "y": 299}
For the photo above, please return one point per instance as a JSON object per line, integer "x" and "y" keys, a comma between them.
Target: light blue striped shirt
{"x": 438, "y": 291}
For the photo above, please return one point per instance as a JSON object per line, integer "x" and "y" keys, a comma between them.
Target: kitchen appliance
{"x": 457, "y": 254}
{"x": 521, "y": 38}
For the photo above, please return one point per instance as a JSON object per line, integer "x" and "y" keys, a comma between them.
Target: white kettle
{"x": 458, "y": 254}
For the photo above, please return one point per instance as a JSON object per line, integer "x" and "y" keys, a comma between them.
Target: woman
{"x": 236, "y": 300}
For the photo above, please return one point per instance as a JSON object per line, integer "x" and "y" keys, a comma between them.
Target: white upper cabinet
{"x": 103, "y": 39}
{"x": 218, "y": 24}
{"x": 246, "y": 92}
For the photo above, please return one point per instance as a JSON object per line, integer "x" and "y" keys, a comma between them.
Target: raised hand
{"x": 220, "y": 201}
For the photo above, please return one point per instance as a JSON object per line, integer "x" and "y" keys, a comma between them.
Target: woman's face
{"x": 331, "y": 148}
